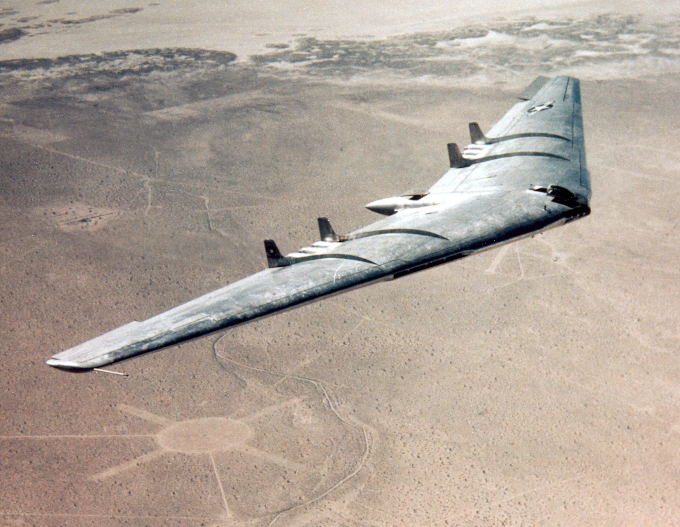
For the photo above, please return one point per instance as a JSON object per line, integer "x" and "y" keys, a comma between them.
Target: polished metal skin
{"x": 527, "y": 175}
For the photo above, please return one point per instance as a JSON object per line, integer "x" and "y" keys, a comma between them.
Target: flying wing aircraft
{"x": 526, "y": 175}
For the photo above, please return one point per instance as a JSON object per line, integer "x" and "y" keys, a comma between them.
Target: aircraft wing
{"x": 527, "y": 175}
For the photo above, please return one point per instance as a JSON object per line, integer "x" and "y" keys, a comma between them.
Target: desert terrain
{"x": 534, "y": 384}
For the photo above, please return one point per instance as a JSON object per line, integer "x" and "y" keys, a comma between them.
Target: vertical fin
{"x": 274, "y": 257}
{"x": 326, "y": 231}
{"x": 455, "y": 157}
{"x": 476, "y": 135}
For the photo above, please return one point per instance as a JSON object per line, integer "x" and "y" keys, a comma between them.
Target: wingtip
{"x": 67, "y": 365}
{"x": 533, "y": 88}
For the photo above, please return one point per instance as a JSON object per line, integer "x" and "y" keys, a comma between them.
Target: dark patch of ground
{"x": 11, "y": 34}
{"x": 95, "y": 18}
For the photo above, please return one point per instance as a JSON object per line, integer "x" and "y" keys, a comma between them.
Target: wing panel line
{"x": 500, "y": 139}
{"x": 416, "y": 232}
{"x": 516, "y": 154}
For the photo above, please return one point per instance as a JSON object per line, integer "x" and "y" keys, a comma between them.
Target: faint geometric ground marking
{"x": 348, "y": 421}
{"x": 204, "y": 436}
{"x": 497, "y": 260}
{"x": 198, "y": 436}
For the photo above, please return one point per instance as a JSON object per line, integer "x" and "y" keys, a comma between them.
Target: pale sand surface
{"x": 244, "y": 27}
{"x": 536, "y": 384}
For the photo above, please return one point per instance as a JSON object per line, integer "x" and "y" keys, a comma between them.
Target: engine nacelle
{"x": 388, "y": 206}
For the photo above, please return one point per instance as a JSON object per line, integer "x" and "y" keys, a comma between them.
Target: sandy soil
{"x": 536, "y": 384}
{"x": 69, "y": 27}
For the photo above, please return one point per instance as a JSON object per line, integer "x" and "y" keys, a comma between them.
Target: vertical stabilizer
{"x": 476, "y": 135}
{"x": 455, "y": 157}
{"x": 274, "y": 256}
{"x": 326, "y": 231}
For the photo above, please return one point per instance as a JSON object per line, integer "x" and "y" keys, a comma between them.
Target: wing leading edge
{"x": 526, "y": 175}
